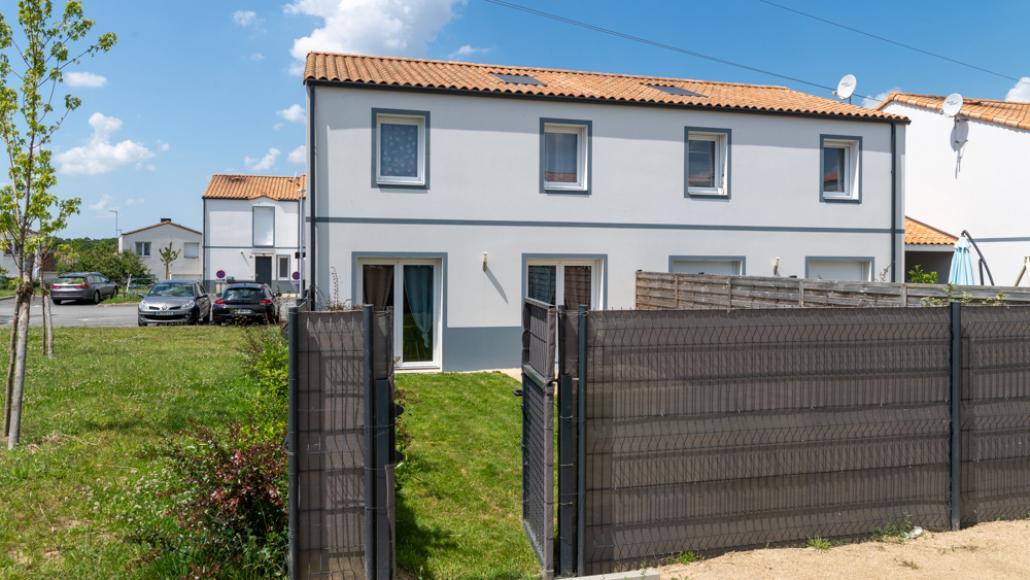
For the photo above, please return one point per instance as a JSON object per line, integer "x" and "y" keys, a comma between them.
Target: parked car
{"x": 175, "y": 302}
{"x": 246, "y": 302}
{"x": 91, "y": 286}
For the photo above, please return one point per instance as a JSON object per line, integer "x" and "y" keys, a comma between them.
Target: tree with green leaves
{"x": 168, "y": 255}
{"x": 36, "y": 47}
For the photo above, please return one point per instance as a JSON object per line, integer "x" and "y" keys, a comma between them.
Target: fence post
{"x": 367, "y": 322}
{"x": 956, "y": 408}
{"x": 566, "y": 465}
{"x": 291, "y": 440}
{"x": 581, "y": 442}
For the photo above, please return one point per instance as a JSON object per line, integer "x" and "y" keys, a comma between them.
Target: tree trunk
{"x": 48, "y": 323}
{"x": 20, "y": 351}
{"x": 10, "y": 370}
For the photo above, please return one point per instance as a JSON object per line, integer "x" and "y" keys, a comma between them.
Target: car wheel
{"x": 140, "y": 322}
{"x": 96, "y": 298}
{"x": 58, "y": 302}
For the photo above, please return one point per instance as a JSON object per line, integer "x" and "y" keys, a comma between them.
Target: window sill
{"x": 569, "y": 189}
{"x": 411, "y": 184}
{"x": 837, "y": 198}
{"x": 709, "y": 192}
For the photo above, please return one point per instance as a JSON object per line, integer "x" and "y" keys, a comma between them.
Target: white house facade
{"x": 251, "y": 230}
{"x": 147, "y": 242}
{"x": 971, "y": 173}
{"x": 452, "y": 201}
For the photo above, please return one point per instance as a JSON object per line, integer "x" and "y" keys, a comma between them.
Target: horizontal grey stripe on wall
{"x": 602, "y": 225}
{"x": 476, "y": 348}
{"x": 1012, "y": 239}
{"x": 262, "y": 248}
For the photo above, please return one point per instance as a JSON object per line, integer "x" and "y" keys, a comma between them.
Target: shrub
{"x": 267, "y": 355}
{"x": 919, "y": 276}
{"x": 230, "y": 497}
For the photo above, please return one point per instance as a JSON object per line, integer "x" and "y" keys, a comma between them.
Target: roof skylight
{"x": 517, "y": 79}
{"x": 678, "y": 91}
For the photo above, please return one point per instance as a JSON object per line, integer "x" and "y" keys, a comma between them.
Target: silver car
{"x": 88, "y": 286}
{"x": 179, "y": 302}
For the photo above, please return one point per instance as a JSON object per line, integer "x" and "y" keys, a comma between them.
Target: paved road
{"x": 71, "y": 314}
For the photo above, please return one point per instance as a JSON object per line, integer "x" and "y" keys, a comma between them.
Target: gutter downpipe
{"x": 894, "y": 201}
{"x": 311, "y": 200}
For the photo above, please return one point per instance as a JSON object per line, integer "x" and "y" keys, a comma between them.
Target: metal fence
{"x": 341, "y": 443}
{"x": 712, "y": 430}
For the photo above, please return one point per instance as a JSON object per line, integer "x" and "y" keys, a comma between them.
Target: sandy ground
{"x": 988, "y": 551}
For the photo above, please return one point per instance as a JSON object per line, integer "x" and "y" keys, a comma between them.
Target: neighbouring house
{"x": 251, "y": 228}
{"x": 449, "y": 191}
{"x": 970, "y": 173}
{"x": 929, "y": 248}
{"x": 147, "y": 242}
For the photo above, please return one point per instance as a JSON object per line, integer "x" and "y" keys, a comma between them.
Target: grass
{"x": 894, "y": 531}
{"x": 819, "y": 543}
{"x": 687, "y": 558}
{"x": 460, "y": 484}
{"x": 90, "y": 422}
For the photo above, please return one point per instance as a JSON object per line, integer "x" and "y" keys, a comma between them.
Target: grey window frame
{"x": 142, "y": 245}
{"x": 852, "y": 160}
{"x": 742, "y": 260}
{"x": 726, "y": 154}
{"x": 278, "y": 262}
{"x": 253, "y": 224}
{"x": 585, "y": 165}
{"x": 387, "y": 183}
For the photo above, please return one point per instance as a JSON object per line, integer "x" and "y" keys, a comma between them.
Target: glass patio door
{"x": 567, "y": 283}
{"x": 409, "y": 288}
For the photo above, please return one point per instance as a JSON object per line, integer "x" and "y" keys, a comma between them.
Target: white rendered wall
{"x": 484, "y": 167}
{"x": 159, "y": 237}
{"x": 229, "y": 239}
{"x": 986, "y": 191}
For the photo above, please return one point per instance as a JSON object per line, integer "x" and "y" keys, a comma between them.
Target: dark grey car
{"x": 179, "y": 302}
{"x": 84, "y": 286}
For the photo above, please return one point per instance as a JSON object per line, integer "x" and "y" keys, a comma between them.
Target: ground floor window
{"x": 568, "y": 283}
{"x": 706, "y": 265}
{"x": 411, "y": 288}
{"x": 844, "y": 269}
{"x": 283, "y": 267}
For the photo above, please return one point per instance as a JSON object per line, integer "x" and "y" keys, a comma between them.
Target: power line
{"x": 888, "y": 40}
{"x": 656, "y": 43}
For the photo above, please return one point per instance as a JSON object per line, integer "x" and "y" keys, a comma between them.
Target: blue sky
{"x": 197, "y": 87}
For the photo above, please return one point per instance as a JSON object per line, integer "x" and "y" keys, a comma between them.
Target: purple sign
{"x": 220, "y": 274}
{"x": 296, "y": 275}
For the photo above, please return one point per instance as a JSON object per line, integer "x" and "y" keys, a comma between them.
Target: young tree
{"x": 44, "y": 45}
{"x": 168, "y": 255}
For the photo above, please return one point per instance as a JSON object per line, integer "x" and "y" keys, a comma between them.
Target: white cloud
{"x": 394, "y": 27}
{"x": 467, "y": 51}
{"x": 134, "y": 201}
{"x": 162, "y": 146}
{"x": 244, "y": 18}
{"x": 263, "y": 164}
{"x": 102, "y": 203}
{"x": 257, "y": 57}
{"x": 85, "y": 80}
{"x": 875, "y": 100}
{"x": 100, "y": 155}
{"x": 294, "y": 113}
{"x": 298, "y": 155}
{"x": 1020, "y": 92}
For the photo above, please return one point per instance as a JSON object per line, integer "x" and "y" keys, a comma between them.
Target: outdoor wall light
{"x": 776, "y": 266}
{"x": 484, "y": 261}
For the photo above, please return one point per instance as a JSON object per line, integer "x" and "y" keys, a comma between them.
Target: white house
{"x": 147, "y": 242}
{"x": 971, "y": 172}
{"x": 251, "y": 228}
{"x": 449, "y": 191}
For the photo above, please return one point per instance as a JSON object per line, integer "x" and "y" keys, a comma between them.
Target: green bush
{"x": 919, "y": 276}
{"x": 267, "y": 355}
{"x": 100, "y": 256}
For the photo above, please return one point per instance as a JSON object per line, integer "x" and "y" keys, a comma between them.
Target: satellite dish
{"x": 952, "y": 104}
{"x": 846, "y": 86}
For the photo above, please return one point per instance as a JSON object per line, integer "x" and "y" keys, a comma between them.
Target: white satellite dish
{"x": 846, "y": 86}
{"x": 952, "y": 104}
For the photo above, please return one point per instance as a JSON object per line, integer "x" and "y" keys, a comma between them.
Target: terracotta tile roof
{"x": 358, "y": 70}
{"x": 1008, "y": 113}
{"x": 162, "y": 223}
{"x": 919, "y": 234}
{"x": 277, "y": 187}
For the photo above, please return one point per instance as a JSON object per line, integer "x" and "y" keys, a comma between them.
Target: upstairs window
{"x": 708, "y": 162}
{"x": 191, "y": 250}
{"x": 264, "y": 226}
{"x": 143, "y": 249}
{"x": 840, "y": 159}
{"x": 402, "y": 149}
{"x": 564, "y": 156}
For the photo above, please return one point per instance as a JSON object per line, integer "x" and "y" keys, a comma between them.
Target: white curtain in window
{"x": 264, "y": 226}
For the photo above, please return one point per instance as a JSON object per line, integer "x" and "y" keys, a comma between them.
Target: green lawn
{"x": 91, "y": 419}
{"x": 459, "y": 507}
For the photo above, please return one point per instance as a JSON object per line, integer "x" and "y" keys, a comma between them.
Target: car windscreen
{"x": 172, "y": 290}
{"x": 243, "y": 294}
{"x": 71, "y": 280}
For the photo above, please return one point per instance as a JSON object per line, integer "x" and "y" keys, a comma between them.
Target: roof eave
{"x": 315, "y": 82}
